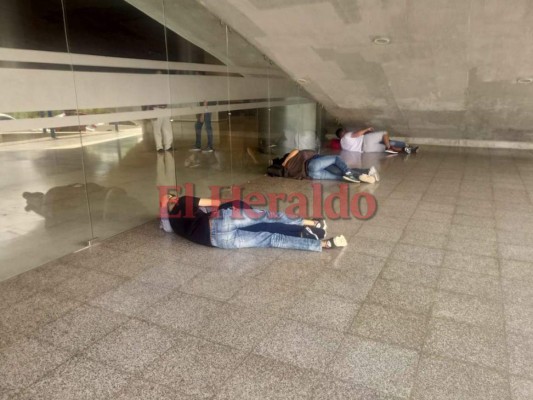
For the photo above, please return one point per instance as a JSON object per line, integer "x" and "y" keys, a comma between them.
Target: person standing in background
{"x": 162, "y": 131}
{"x": 200, "y": 120}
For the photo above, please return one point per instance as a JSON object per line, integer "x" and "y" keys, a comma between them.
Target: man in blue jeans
{"x": 200, "y": 221}
{"x": 305, "y": 164}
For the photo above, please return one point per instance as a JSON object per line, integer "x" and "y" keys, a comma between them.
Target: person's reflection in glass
{"x": 206, "y": 160}
{"x": 166, "y": 169}
{"x": 201, "y": 119}
{"x": 67, "y": 204}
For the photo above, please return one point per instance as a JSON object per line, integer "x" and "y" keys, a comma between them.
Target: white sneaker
{"x": 367, "y": 178}
{"x": 337, "y": 241}
{"x": 390, "y": 151}
{"x": 374, "y": 172}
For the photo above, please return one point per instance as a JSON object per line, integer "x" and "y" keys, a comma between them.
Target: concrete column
{"x": 288, "y": 127}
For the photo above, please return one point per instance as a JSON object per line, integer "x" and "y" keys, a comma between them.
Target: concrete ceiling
{"x": 450, "y": 70}
{"x": 192, "y": 22}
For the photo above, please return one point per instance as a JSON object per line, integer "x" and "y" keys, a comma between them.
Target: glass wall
{"x": 107, "y": 101}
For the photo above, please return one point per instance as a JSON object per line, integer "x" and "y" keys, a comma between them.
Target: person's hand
{"x": 369, "y": 129}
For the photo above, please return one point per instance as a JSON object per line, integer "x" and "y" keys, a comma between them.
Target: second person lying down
{"x": 308, "y": 164}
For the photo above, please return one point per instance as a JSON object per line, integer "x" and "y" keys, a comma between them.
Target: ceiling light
{"x": 302, "y": 81}
{"x": 524, "y": 80}
{"x": 381, "y": 40}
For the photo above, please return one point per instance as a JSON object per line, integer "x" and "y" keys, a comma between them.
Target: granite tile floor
{"x": 431, "y": 300}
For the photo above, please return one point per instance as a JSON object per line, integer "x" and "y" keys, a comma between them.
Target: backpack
{"x": 276, "y": 170}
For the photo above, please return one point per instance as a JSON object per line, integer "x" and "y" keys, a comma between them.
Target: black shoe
{"x": 350, "y": 178}
{"x": 160, "y": 150}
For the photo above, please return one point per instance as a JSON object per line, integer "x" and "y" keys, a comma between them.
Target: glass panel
{"x": 82, "y": 123}
{"x": 44, "y": 197}
{"x": 198, "y": 94}
{"x": 249, "y": 80}
{"x": 121, "y": 78}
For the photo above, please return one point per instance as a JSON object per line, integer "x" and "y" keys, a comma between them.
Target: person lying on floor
{"x": 308, "y": 164}
{"x": 205, "y": 221}
{"x": 368, "y": 141}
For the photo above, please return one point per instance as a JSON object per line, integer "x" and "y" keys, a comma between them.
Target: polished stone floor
{"x": 57, "y": 195}
{"x": 432, "y": 299}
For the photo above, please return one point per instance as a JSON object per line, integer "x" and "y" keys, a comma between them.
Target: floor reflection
{"x": 78, "y": 187}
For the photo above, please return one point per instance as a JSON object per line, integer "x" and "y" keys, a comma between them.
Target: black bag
{"x": 276, "y": 170}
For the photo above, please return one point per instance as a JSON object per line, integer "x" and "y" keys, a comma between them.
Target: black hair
{"x": 279, "y": 160}
{"x": 338, "y": 132}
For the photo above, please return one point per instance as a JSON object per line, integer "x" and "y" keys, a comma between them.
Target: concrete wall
{"x": 451, "y": 69}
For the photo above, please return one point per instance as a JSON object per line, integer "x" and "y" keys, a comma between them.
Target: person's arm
{"x": 362, "y": 132}
{"x": 291, "y": 155}
{"x": 205, "y": 202}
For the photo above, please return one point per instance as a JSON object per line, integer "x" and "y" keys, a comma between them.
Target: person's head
{"x": 340, "y": 132}
{"x": 279, "y": 160}
{"x": 169, "y": 201}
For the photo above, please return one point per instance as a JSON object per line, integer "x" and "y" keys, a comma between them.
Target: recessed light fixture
{"x": 381, "y": 40}
{"x": 302, "y": 81}
{"x": 524, "y": 80}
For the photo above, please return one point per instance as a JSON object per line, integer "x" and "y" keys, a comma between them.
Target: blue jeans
{"x": 273, "y": 227}
{"x": 321, "y": 167}
{"x": 355, "y": 171}
{"x": 397, "y": 143}
{"x": 228, "y": 232}
{"x": 208, "y": 128}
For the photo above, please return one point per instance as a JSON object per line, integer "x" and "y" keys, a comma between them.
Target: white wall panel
{"x": 31, "y": 88}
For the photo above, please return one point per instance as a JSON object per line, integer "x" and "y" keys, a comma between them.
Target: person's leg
{"x": 318, "y": 168}
{"x": 273, "y": 227}
{"x": 286, "y": 229}
{"x": 397, "y": 143}
{"x": 360, "y": 171}
{"x": 156, "y": 127}
{"x": 346, "y": 173}
{"x": 340, "y": 164}
{"x": 209, "y": 129}
{"x": 239, "y": 239}
{"x": 334, "y": 170}
{"x": 283, "y": 229}
{"x": 237, "y": 219}
{"x": 375, "y": 142}
{"x": 324, "y": 174}
{"x": 385, "y": 139}
{"x": 198, "y": 129}
{"x": 166, "y": 128}
{"x": 389, "y": 145}
{"x": 355, "y": 171}
{"x": 234, "y": 204}
{"x": 52, "y": 130}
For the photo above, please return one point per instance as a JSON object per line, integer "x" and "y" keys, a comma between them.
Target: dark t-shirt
{"x": 188, "y": 220}
{"x": 297, "y": 166}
